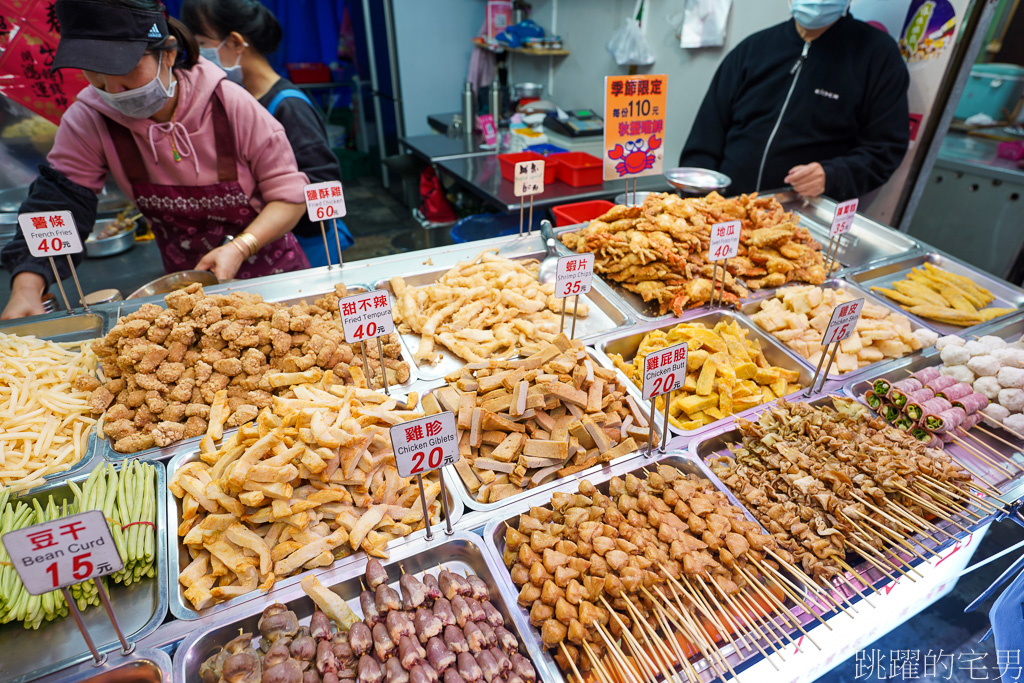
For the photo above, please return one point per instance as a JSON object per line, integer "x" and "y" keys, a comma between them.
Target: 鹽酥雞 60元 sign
{"x": 324, "y": 201}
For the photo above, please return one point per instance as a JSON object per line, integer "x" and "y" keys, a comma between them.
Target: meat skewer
{"x": 443, "y": 611}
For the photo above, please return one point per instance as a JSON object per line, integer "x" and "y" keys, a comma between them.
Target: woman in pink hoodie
{"x": 201, "y": 159}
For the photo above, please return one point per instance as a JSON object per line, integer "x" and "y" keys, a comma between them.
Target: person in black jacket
{"x": 818, "y": 103}
{"x": 238, "y": 35}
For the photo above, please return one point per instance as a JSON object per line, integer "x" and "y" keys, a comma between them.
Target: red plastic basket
{"x": 578, "y": 169}
{"x": 581, "y": 212}
{"x": 508, "y": 163}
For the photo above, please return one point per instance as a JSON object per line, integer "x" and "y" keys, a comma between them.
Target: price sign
{"x": 725, "y": 241}
{"x": 843, "y": 322}
{"x": 842, "y": 221}
{"x": 50, "y": 233}
{"x": 665, "y": 370}
{"x": 634, "y": 125}
{"x": 487, "y": 128}
{"x": 574, "y": 275}
{"x": 365, "y": 316}
{"x": 529, "y": 178}
{"x": 426, "y": 444}
{"x": 63, "y": 552}
{"x": 325, "y": 201}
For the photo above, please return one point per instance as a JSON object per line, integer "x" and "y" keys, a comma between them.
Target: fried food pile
{"x": 799, "y": 317}
{"x": 810, "y": 476}
{"x": 726, "y": 372}
{"x": 944, "y": 297}
{"x": 490, "y": 307}
{"x": 442, "y": 627}
{"x": 598, "y": 559}
{"x": 659, "y": 250}
{"x": 310, "y": 481}
{"x": 527, "y": 421}
{"x": 209, "y": 361}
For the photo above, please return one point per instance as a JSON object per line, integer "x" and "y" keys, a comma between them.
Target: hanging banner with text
{"x": 634, "y": 125}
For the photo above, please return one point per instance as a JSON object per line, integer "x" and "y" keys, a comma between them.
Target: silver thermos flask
{"x": 495, "y": 102}
{"x": 468, "y": 105}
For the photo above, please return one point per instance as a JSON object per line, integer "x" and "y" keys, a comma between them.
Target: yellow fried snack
{"x": 726, "y": 372}
{"x": 936, "y": 294}
{"x": 490, "y": 307}
{"x": 798, "y": 317}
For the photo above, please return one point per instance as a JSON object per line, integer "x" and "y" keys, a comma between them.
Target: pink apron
{"x": 191, "y": 220}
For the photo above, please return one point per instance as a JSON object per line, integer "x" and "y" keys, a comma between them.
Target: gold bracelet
{"x": 237, "y": 242}
{"x": 252, "y": 242}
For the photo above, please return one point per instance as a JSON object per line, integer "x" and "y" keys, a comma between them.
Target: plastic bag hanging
{"x": 704, "y": 23}
{"x": 628, "y": 45}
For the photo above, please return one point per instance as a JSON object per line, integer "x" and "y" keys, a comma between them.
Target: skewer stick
{"x": 1016, "y": 434}
{"x": 572, "y": 663}
{"x": 658, "y": 644}
{"x": 995, "y": 454}
{"x": 820, "y": 591}
{"x": 907, "y": 514}
{"x": 856, "y": 575}
{"x": 768, "y": 618}
{"x": 617, "y": 657}
{"x": 896, "y": 537}
{"x": 949, "y": 502}
{"x": 934, "y": 508}
{"x": 868, "y": 538}
{"x": 691, "y": 633}
{"x": 596, "y": 666}
{"x": 866, "y": 555}
{"x": 639, "y": 654}
{"x": 749, "y": 626}
{"x": 722, "y": 616}
{"x": 987, "y": 490}
{"x": 670, "y": 635}
{"x": 996, "y": 436}
{"x": 757, "y": 623}
{"x": 956, "y": 492}
{"x": 781, "y": 607}
{"x": 709, "y": 613}
{"x": 785, "y": 586}
{"x": 905, "y": 525}
{"x": 981, "y": 456}
{"x": 697, "y": 632}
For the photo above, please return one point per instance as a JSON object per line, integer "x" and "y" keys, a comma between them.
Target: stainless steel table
{"x": 432, "y": 147}
{"x": 481, "y": 176}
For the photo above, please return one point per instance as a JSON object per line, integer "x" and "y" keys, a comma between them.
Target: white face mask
{"x": 213, "y": 54}
{"x": 815, "y": 14}
{"x": 142, "y": 102}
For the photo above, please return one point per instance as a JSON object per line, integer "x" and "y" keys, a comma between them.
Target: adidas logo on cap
{"x": 154, "y": 32}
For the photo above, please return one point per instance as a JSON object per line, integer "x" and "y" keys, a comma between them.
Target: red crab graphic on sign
{"x": 637, "y": 155}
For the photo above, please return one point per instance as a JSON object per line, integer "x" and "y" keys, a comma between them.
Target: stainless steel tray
{"x": 883, "y": 275}
{"x": 460, "y": 552}
{"x": 281, "y": 287}
{"x": 868, "y": 241}
{"x": 478, "y": 513}
{"x": 140, "y": 609}
{"x": 141, "y": 666}
{"x": 494, "y": 538}
{"x": 60, "y": 327}
{"x": 754, "y": 306}
{"x": 714, "y": 443}
{"x": 627, "y": 344}
{"x": 180, "y": 558}
{"x": 606, "y": 313}
{"x": 976, "y": 465}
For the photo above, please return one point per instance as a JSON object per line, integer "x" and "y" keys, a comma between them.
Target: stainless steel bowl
{"x": 174, "y": 282}
{"x": 527, "y": 90}
{"x": 632, "y": 198}
{"x": 697, "y": 180}
{"x": 97, "y": 247}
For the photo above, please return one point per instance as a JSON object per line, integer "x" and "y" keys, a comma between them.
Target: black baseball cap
{"x": 105, "y": 38}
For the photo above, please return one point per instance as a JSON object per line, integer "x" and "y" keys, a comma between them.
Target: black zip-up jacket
{"x": 848, "y": 110}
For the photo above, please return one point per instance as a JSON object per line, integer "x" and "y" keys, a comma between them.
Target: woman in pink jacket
{"x": 201, "y": 159}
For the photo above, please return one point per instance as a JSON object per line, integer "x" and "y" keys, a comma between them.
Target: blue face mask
{"x": 815, "y": 14}
{"x": 213, "y": 54}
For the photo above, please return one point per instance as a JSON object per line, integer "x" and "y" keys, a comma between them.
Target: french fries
{"x": 936, "y": 294}
{"x": 310, "y": 480}
{"x": 726, "y": 373}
